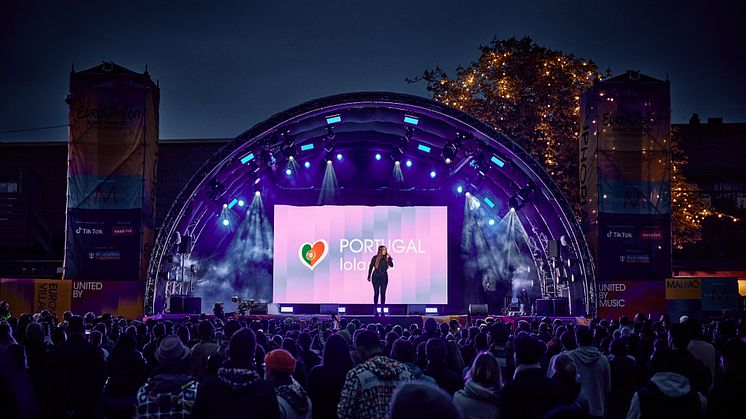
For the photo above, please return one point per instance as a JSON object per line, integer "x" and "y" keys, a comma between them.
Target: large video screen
{"x": 322, "y": 253}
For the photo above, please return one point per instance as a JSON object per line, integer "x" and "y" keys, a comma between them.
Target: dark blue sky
{"x": 223, "y": 68}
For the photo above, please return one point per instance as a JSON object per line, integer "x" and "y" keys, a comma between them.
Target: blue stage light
{"x": 423, "y": 147}
{"x": 247, "y": 158}
{"x": 241, "y": 202}
{"x": 307, "y": 165}
{"x": 226, "y": 222}
{"x": 306, "y": 147}
{"x": 459, "y": 189}
{"x": 233, "y": 203}
{"x": 433, "y": 174}
{"x": 378, "y": 156}
{"x": 339, "y": 156}
{"x": 409, "y": 163}
{"x": 411, "y": 120}
{"x": 497, "y": 161}
{"x": 333, "y": 119}
{"x": 288, "y": 172}
{"x": 488, "y": 201}
{"x": 491, "y": 222}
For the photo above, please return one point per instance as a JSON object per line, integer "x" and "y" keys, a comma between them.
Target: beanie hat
{"x": 171, "y": 350}
{"x": 280, "y": 360}
{"x": 242, "y": 346}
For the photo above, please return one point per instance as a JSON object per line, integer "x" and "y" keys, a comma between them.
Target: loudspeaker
{"x": 185, "y": 246}
{"x": 184, "y": 304}
{"x": 328, "y": 308}
{"x": 418, "y": 309}
{"x": 558, "y": 307}
{"x": 553, "y": 249}
{"x": 478, "y": 309}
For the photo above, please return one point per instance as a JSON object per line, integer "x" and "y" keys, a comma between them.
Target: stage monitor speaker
{"x": 415, "y": 309}
{"x": 478, "y": 309}
{"x": 184, "y": 304}
{"x": 185, "y": 247}
{"x": 553, "y": 249}
{"x": 328, "y": 308}
{"x": 557, "y": 307}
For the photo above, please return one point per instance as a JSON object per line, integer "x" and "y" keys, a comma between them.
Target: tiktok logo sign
{"x": 311, "y": 255}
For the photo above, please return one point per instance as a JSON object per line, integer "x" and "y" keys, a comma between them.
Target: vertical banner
{"x": 112, "y": 158}
{"x": 588, "y": 174}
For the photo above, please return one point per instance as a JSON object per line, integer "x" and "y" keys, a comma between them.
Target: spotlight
{"x": 288, "y": 172}
{"x": 448, "y": 161}
{"x": 468, "y": 194}
{"x": 409, "y": 163}
{"x": 378, "y": 156}
{"x": 451, "y": 148}
{"x": 433, "y": 174}
{"x": 479, "y": 164}
{"x": 241, "y": 202}
{"x": 288, "y": 149}
{"x": 512, "y": 209}
{"x": 328, "y": 162}
{"x": 291, "y": 158}
{"x": 225, "y": 206}
{"x": 257, "y": 193}
{"x": 267, "y": 157}
{"x": 307, "y": 165}
{"x": 491, "y": 222}
{"x": 226, "y": 222}
{"x": 339, "y": 156}
{"x": 460, "y": 189}
{"x": 397, "y": 163}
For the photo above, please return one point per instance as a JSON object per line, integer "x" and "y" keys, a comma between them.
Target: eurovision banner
{"x": 627, "y": 298}
{"x": 24, "y": 295}
{"x": 112, "y": 155}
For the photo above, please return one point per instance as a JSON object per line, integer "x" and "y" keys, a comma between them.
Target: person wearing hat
{"x": 292, "y": 399}
{"x": 237, "y": 390}
{"x": 169, "y": 391}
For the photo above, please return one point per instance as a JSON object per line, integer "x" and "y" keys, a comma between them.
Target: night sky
{"x": 223, "y": 68}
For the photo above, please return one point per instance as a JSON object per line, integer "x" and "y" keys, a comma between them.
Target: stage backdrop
{"x": 322, "y": 253}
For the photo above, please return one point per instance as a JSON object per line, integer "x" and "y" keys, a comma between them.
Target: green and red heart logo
{"x": 311, "y": 254}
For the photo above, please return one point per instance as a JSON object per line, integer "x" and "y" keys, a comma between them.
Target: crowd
{"x": 199, "y": 367}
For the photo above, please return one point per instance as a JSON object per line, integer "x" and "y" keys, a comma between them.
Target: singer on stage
{"x": 377, "y": 274}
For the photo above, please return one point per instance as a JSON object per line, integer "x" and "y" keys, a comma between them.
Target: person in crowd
{"x": 36, "y": 354}
{"x": 96, "y": 338}
{"x": 6, "y": 335}
{"x": 404, "y": 352}
{"x": 170, "y": 391}
{"x": 564, "y": 371}
{"x": 368, "y": 386}
{"x": 437, "y": 367}
{"x": 530, "y": 394}
{"x": 237, "y": 390}
{"x": 148, "y": 351}
{"x": 453, "y": 357}
{"x": 292, "y": 399}
{"x": 725, "y": 397}
{"x": 4, "y": 310}
{"x": 593, "y": 367}
{"x": 420, "y": 400}
{"x": 430, "y": 331}
{"x": 679, "y": 337}
{"x": 77, "y": 374}
{"x": 327, "y": 379}
{"x": 300, "y": 371}
{"x": 468, "y": 352}
{"x": 309, "y": 357}
{"x": 626, "y": 377}
{"x": 569, "y": 344}
{"x": 499, "y": 335}
{"x": 480, "y": 397}
{"x": 702, "y": 350}
{"x": 127, "y": 373}
{"x": 668, "y": 393}
{"x": 202, "y": 350}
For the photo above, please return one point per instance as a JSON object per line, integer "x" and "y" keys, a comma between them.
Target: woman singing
{"x": 380, "y": 278}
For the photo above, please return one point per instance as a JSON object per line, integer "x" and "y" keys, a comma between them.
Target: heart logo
{"x": 310, "y": 255}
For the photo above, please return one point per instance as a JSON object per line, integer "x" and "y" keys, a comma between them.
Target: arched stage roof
{"x": 486, "y": 162}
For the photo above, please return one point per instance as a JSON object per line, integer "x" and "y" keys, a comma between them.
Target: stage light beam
{"x": 433, "y": 174}
{"x": 409, "y": 163}
{"x": 378, "y": 156}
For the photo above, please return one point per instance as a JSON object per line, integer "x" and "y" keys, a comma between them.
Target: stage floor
{"x": 403, "y": 320}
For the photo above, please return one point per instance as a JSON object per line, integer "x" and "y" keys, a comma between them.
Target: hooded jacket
{"x": 369, "y": 386}
{"x": 237, "y": 390}
{"x": 595, "y": 377}
{"x": 293, "y": 401}
{"x": 667, "y": 394}
{"x": 477, "y": 401}
{"x": 170, "y": 391}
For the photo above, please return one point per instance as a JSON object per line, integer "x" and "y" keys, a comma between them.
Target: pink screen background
{"x": 416, "y": 278}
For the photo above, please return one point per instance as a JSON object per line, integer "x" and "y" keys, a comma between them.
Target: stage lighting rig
{"x": 244, "y": 306}
{"x": 450, "y": 150}
{"x": 479, "y": 164}
{"x": 217, "y": 189}
{"x": 288, "y": 148}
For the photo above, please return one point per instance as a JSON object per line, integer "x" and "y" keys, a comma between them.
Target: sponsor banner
{"x": 618, "y": 298}
{"x": 683, "y": 288}
{"x": 123, "y": 298}
{"x": 641, "y": 197}
{"x": 105, "y": 192}
{"x": 103, "y": 244}
{"x": 633, "y": 247}
{"x": 720, "y": 294}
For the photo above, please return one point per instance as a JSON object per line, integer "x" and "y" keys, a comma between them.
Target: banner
{"x": 720, "y": 294}
{"x": 683, "y": 288}
{"x": 103, "y": 244}
{"x": 627, "y": 298}
{"x": 34, "y": 295}
{"x": 633, "y": 247}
